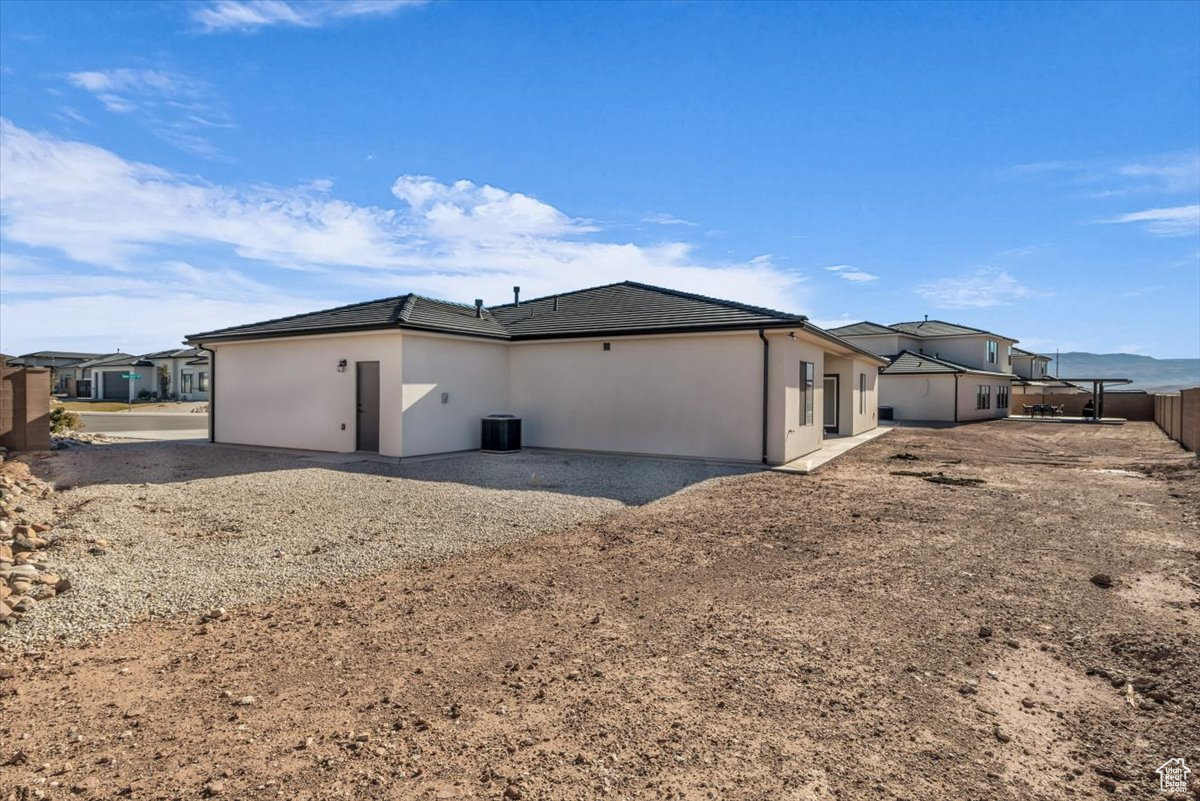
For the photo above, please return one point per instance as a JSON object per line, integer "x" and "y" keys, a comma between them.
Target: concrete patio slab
{"x": 832, "y": 449}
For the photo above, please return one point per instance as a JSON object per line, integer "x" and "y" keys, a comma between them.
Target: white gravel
{"x": 190, "y": 527}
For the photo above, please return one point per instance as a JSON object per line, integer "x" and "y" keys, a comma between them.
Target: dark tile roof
{"x": 624, "y": 308}
{"x": 865, "y": 328}
{"x": 1023, "y": 352}
{"x": 176, "y": 353}
{"x": 941, "y": 328}
{"x": 909, "y": 363}
{"x": 108, "y": 357}
{"x": 630, "y": 307}
{"x": 59, "y": 354}
{"x": 404, "y": 311}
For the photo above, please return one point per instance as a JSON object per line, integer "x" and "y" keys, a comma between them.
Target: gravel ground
{"x": 862, "y": 633}
{"x": 187, "y": 528}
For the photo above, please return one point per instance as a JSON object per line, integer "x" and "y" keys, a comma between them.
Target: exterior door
{"x": 368, "y": 406}
{"x": 830, "y": 404}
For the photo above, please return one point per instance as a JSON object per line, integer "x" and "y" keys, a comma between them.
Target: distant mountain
{"x": 1148, "y": 373}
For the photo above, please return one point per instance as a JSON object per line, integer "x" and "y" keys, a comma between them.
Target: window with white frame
{"x": 862, "y": 393}
{"x": 991, "y": 351}
{"x": 203, "y": 382}
{"x": 806, "y": 393}
{"x": 185, "y": 382}
{"x": 1002, "y": 391}
{"x": 983, "y": 397}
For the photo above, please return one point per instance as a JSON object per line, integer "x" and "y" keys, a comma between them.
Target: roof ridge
{"x": 943, "y": 322}
{"x": 733, "y": 304}
{"x": 554, "y": 295}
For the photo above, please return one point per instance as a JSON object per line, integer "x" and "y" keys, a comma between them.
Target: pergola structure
{"x": 1098, "y": 391}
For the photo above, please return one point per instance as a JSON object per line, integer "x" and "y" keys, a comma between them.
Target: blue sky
{"x": 172, "y": 167}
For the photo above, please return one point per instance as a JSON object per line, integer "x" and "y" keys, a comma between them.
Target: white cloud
{"x": 662, "y": 218}
{"x": 1164, "y": 173}
{"x": 984, "y": 288}
{"x": 457, "y": 240}
{"x": 176, "y": 107}
{"x": 1174, "y": 221}
{"x": 249, "y": 15}
{"x": 852, "y": 274}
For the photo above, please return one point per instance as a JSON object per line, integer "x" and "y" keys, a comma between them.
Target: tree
{"x": 164, "y": 381}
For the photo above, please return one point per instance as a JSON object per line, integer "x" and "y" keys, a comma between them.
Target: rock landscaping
{"x": 27, "y": 575}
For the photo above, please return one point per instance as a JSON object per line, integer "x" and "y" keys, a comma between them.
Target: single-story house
{"x": 62, "y": 366}
{"x": 186, "y": 371}
{"x": 938, "y": 370}
{"x": 626, "y": 368}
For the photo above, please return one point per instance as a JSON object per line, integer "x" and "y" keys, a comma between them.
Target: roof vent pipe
{"x": 927, "y": 318}
{"x": 478, "y": 307}
{"x": 556, "y": 302}
{"x": 516, "y": 296}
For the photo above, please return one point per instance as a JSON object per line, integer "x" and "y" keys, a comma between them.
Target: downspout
{"x": 212, "y": 393}
{"x": 765, "y": 384}
{"x": 956, "y": 377}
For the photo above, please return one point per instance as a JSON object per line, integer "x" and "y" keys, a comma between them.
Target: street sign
{"x": 131, "y": 376}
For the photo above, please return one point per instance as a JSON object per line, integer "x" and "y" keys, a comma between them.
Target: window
{"x": 983, "y": 397}
{"x": 185, "y": 382}
{"x": 1002, "y": 396}
{"x": 991, "y": 346}
{"x": 862, "y": 393}
{"x": 1008, "y": 356}
{"x": 806, "y": 393}
{"x": 204, "y": 382}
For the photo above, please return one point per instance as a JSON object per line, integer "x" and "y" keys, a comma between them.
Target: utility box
{"x": 501, "y": 434}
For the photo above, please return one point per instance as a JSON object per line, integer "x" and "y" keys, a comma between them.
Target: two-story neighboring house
{"x": 1033, "y": 376}
{"x": 939, "y": 371}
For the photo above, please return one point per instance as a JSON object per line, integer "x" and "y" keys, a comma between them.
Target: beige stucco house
{"x": 937, "y": 370}
{"x": 626, "y": 368}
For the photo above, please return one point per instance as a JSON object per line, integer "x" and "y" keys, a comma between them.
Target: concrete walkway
{"x": 832, "y": 449}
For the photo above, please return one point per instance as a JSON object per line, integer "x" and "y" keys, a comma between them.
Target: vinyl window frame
{"x": 807, "y": 388}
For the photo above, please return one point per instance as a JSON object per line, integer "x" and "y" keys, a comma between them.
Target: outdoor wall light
{"x": 341, "y": 365}
{"x": 791, "y": 334}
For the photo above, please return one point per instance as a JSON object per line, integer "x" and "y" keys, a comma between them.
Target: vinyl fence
{"x": 1178, "y": 415}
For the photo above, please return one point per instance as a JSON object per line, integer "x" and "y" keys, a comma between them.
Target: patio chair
{"x": 1058, "y": 410}
{"x": 1028, "y": 409}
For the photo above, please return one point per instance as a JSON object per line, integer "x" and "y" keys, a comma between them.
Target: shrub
{"x": 62, "y": 421}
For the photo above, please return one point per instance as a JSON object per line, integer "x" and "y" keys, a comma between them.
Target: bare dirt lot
{"x": 852, "y": 634}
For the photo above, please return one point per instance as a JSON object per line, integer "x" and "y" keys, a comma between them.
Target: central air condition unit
{"x": 501, "y": 434}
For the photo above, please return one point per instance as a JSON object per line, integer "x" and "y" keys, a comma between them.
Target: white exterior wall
{"x": 865, "y": 414}
{"x": 880, "y": 344}
{"x": 685, "y": 395}
{"x": 789, "y": 436}
{"x": 969, "y": 351}
{"x": 967, "y": 385}
{"x": 919, "y": 397}
{"x": 931, "y": 396}
{"x": 474, "y": 375}
{"x": 287, "y": 392}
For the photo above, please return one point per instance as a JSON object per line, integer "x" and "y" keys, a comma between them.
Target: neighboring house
{"x": 624, "y": 368}
{"x": 61, "y": 364}
{"x": 187, "y": 370}
{"x": 1033, "y": 376}
{"x": 938, "y": 370}
{"x": 107, "y": 381}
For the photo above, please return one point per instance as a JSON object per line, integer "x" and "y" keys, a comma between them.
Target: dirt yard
{"x": 856, "y": 634}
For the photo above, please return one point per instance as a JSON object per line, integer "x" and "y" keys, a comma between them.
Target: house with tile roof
{"x": 627, "y": 368}
{"x": 939, "y": 370}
